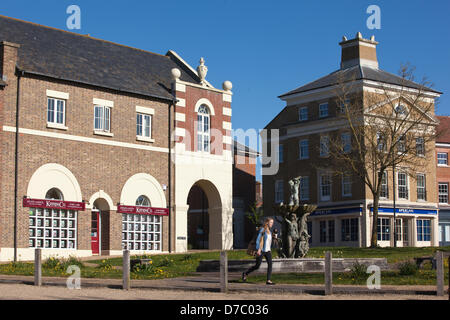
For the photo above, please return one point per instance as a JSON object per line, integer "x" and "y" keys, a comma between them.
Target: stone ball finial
{"x": 344, "y": 38}
{"x": 227, "y": 86}
{"x": 372, "y": 38}
{"x": 176, "y": 73}
{"x": 359, "y": 35}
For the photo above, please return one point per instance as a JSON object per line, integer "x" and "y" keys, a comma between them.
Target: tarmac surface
{"x": 205, "y": 285}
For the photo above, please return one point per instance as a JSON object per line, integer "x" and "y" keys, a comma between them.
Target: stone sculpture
{"x": 294, "y": 231}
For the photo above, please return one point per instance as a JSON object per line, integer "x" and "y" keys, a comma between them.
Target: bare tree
{"x": 389, "y": 126}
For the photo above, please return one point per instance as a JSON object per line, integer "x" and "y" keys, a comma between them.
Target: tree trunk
{"x": 374, "y": 239}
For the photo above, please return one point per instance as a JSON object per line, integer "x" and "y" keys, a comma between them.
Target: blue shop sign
{"x": 322, "y": 212}
{"x": 405, "y": 210}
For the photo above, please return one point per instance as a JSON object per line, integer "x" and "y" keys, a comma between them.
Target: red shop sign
{"x": 143, "y": 210}
{"x": 53, "y": 204}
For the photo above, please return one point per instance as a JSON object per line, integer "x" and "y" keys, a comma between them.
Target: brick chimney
{"x": 8, "y": 60}
{"x": 359, "y": 51}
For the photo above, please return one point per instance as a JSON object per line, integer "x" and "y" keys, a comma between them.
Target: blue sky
{"x": 265, "y": 48}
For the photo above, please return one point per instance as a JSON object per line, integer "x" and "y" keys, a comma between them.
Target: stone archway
{"x": 204, "y": 217}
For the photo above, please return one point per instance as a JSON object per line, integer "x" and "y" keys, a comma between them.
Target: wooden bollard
{"x": 223, "y": 272}
{"x": 439, "y": 273}
{"x": 38, "y": 267}
{"x": 126, "y": 270}
{"x": 328, "y": 273}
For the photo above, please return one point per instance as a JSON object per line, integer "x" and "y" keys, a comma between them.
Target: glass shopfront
{"x": 142, "y": 225}
{"x": 52, "y": 229}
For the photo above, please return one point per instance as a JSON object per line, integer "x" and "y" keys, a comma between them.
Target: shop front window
{"x": 52, "y": 228}
{"x": 141, "y": 232}
{"x": 349, "y": 230}
{"x": 384, "y": 229}
{"x": 423, "y": 230}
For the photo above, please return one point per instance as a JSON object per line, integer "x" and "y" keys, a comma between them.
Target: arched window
{"x": 54, "y": 194}
{"x": 143, "y": 201}
{"x": 203, "y": 136}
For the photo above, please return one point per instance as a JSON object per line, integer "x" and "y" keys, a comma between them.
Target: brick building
{"x": 244, "y": 192}
{"x": 111, "y": 142}
{"x": 344, "y": 214}
{"x": 443, "y": 179}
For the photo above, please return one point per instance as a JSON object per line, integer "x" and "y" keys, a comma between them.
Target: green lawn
{"x": 176, "y": 265}
{"x": 423, "y": 277}
{"x": 393, "y": 255}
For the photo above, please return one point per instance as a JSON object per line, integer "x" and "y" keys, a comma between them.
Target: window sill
{"x": 443, "y": 165}
{"x": 56, "y": 126}
{"x": 103, "y": 133}
{"x": 145, "y": 139}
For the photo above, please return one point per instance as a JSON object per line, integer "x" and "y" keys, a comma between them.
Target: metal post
{"x": 394, "y": 208}
{"x": 38, "y": 267}
{"x": 126, "y": 270}
{"x": 328, "y": 273}
{"x": 223, "y": 272}
{"x": 440, "y": 273}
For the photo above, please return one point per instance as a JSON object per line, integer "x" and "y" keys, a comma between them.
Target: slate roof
{"x": 357, "y": 73}
{"x": 443, "y": 129}
{"x": 239, "y": 147}
{"x": 80, "y": 58}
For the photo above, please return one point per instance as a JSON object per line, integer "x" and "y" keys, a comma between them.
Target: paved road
{"x": 28, "y": 292}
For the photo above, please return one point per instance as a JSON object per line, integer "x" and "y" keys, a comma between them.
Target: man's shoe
{"x": 244, "y": 277}
{"x": 270, "y": 283}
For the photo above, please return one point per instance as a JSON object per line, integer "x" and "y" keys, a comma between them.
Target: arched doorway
{"x": 204, "y": 217}
{"x": 198, "y": 219}
{"x": 100, "y": 227}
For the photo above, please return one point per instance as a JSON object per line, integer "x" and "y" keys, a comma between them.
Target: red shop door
{"x": 95, "y": 232}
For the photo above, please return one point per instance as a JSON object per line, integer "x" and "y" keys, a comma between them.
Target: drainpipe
{"x": 16, "y": 161}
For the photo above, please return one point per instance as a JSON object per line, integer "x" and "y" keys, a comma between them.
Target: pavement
{"x": 210, "y": 283}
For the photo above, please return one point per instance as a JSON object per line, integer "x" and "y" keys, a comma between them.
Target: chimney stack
{"x": 359, "y": 51}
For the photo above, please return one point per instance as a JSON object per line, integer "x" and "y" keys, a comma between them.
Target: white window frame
{"x": 406, "y": 186}
{"x": 346, "y": 140}
{"x": 300, "y": 147}
{"x": 58, "y": 227}
{"x": 324, "y": 147}
{"x": 303, "y": 111}
{"x": 424, "y": 187}
{"x": 304, "y": 189}
{"x": 420, "y": 230}
{"x": 146, "y": 123}
{"x": 385, "y": 185}
{"x": 342, "y": 107}
{"x": 204, "y": 130}
{"x": 54, "y": 119}
{"x": 446, "y": 159}
{"x": 321, "y": 186}
{"x": 349, "y": 184}
{"x": 279, "y": 191}
{"x": 442, "y": 193}
{"x": 103, "y": 121}
{"x": 384, "y": 229}
{"x": 322, "y": 113}
{"x": 136, "y": 226}
{"x": 422, "y": 154}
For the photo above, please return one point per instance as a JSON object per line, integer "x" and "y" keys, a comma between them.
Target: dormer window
{"x": 203, "y": 129}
